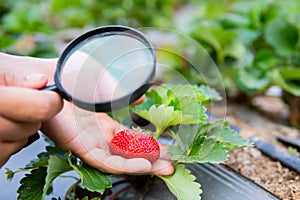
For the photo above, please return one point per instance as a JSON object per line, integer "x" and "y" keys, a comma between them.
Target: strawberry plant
{"x": 178, "y": 113}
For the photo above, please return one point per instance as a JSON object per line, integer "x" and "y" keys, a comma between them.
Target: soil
{"x": 270, "y": 174}
{"x": 250, "y": 162}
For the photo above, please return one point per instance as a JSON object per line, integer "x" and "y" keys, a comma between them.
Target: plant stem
{"x": 158, "y": 133}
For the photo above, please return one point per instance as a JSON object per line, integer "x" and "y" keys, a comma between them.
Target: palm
{"x": 87, "y": 135}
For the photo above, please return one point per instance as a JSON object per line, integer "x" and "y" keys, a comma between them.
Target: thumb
{"x": 34, "y": 81}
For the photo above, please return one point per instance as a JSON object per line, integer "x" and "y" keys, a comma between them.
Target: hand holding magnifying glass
{"x": 131, "y": 69}
{"x": 105, "y": 69}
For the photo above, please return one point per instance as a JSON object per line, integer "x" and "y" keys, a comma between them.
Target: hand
{"x": 87, "y": 135}
{"x": 84, "y": 133}
{"x": 22, "y": 110}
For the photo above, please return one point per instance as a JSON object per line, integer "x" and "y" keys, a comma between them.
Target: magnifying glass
{"x": 105, "y": 69}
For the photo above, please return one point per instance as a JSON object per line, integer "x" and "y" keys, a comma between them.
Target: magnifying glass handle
{"x": 50, "y": 88}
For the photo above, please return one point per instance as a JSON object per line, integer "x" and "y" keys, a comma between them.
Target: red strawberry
{"x": 134, "y": 144}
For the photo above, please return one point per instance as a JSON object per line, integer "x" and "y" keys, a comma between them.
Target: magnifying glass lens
{"x": 106, "y": 70}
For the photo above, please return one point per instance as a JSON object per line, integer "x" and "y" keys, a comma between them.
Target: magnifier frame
{"x": 121, "y": 102}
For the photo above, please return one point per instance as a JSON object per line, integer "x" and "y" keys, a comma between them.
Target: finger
{"x": 116, "y": 164}
{"x": 30, "y": 81}
{"x": 9, "y": 148}
{"x": 164, "y": 152}
{"x": 162, "y": 167}
{"x": 13, "y": 131}
{"x": 29, "y": 105}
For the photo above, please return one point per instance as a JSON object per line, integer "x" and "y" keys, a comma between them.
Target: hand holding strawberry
{"x": 90, "y": 142}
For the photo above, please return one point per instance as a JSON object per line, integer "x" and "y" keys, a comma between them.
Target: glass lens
{"x": 106, "y": 68}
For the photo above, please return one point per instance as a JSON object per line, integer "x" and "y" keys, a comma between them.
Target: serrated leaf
{"x": 212, "y": 152}
{"x": 209, "y": 150}
{"x": 193, "y": 112}
{"x": 32, "y": 184}
{"x": 37, "y": 162}
{"x": 161, "y": 116}
{"x": 43, "y": 157}
{"x": 184, "y": 134}
{"x": 231, "y": 140}
{"x": 179, "y": 104}
{"x": 176, "y": 153}
{"x": 194, "y": 149}
{"x": 210, "y": 94}
{"x": 55, "y": 150}
{"x": 206, "y": 143}
{"x": 202, "y": 93}
{"x": 91, "y": 179}
{"x": 183, "y": 184}
{"x": 56, "y": 167}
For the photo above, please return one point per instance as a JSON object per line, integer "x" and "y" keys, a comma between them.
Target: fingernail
{"x": 35, "y": 77}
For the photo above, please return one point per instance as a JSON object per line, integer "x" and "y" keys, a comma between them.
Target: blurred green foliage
{"x": 255, "y": 44}
{"x": 21, "y": 17}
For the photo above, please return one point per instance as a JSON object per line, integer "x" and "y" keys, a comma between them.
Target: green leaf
{"x": 247, "y": 36}
{"x": 282, "y": 36}
{"x": 184, "y": 134}
{"x": 32, "y": 184}
{"x": 176, "y": 153}
{"x": 236, "y": 50}
{"x": 212, "y": 151}
{"x": 210, "y": 94}
{"x": 206, "y": 150}
{"x": 216, "y": 37}
{"x": 176, "y": 104}
{"x": 233, "y": 20}
{"x": 91, "y": 179}
{"x": 251, "y": 80}
{"x": 152, "y": 98}
{"x": 204, "y": 34}
{"x": 56, "y": 167}
{"x": 231, "y": 140}
{"x": 161, "y": 116}
{"x": 288, "y": 79}
{"x": 265, "y": 60}
{"x": 182, "y": 184}
{"x": 37, "y": 162}
{"x": 192, "y": 111}
{"x": 205, "y": 143}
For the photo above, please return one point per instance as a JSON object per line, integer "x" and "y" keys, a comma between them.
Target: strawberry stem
{"x": 158, "y": 133}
